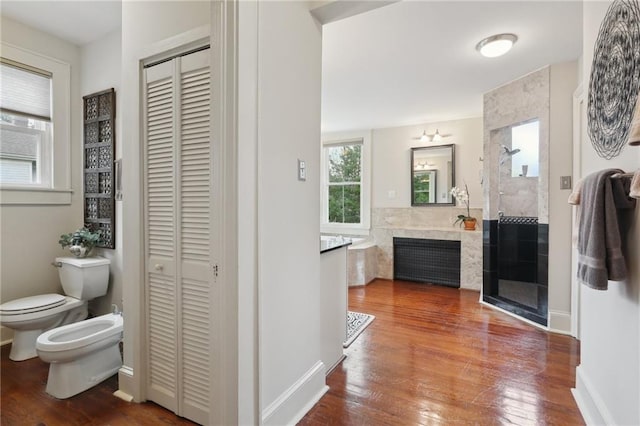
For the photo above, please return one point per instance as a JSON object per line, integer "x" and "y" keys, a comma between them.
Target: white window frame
{"x": 59, "y": 161}
{"x": 364, "y": 226}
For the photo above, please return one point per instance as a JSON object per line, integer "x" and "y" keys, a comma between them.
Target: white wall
{"x": 30, "y": 234}
{"x": 248, "y": 388}
{"x": 288, "y": 128}
{"x": 608, "y": 378}
{"x": 563, "y": 81}
{"x": 391, "y": 159}
{"x": 144, "y": 25}
{"x": 101, "y": 70}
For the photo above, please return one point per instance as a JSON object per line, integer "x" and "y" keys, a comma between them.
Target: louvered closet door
{"x": 178, "y": 211}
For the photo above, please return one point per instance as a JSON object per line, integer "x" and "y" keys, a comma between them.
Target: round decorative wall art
{"x": 615, "y": 78}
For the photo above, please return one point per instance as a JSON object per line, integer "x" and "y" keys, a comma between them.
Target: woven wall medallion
{"x": 99, "y": 153}
{"x": 615, "y": 78}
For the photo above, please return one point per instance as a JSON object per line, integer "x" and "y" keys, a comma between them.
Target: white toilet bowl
{"x": 81, "y": 279}
{"x": 81, "y": 354}
{"x": 31, "y": 316}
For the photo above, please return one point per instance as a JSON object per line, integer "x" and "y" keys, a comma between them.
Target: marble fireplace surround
{"x": 428, "y": 223}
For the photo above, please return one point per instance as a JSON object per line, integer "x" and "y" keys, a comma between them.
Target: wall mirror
{"x": 432, "y": 175}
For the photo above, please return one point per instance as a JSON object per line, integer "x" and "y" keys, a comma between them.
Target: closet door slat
{"x": 178, "y": 206}
{"x": 195, "y": 232}
{"x": 160, "y": 232}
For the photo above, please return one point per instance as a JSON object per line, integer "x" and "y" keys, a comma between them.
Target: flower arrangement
{"x": 81, "y": 241}
{"x": 463, "y": 196}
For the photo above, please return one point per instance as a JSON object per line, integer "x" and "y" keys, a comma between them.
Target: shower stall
{"x": 515, "y": 222}
{"x": 519, "y": 283}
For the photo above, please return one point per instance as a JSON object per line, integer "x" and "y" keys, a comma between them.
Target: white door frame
{"x": 578, "y": 127}
{"x": 224, "y": 132}
{"x": 224, "y": 294}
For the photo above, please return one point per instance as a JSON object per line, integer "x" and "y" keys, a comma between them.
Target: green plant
{"x": 81, "y": 237}
{"x": 462, "y": 195}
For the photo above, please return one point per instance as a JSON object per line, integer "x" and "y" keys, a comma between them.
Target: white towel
{"x": 574, "y": 197}
{"x": 634, "y": 191}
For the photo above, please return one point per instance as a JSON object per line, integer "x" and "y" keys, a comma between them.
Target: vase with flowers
{"x": 462, "y": 195}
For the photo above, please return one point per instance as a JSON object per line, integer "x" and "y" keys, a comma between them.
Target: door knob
{"x": 159, "y": 266}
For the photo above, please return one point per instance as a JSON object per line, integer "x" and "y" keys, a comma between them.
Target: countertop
{"x": 333, "y": 244}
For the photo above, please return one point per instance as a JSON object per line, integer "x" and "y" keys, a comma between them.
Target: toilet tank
{"x": 85, "y": 278}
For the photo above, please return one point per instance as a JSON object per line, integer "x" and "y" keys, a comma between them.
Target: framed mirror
{"x": 432, "y": 175}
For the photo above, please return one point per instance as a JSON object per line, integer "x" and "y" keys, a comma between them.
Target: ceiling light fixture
{"x": 496, "y": 45}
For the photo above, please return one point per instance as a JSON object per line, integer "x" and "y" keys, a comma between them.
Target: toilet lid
{"x": 30, "y": 304}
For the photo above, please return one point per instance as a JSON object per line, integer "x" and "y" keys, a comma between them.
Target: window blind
{"x": 25, "y": 90}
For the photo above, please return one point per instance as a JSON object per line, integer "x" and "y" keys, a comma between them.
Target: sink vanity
{"x": 333, "y": 299}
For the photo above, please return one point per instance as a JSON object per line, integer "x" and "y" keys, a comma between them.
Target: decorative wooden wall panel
{"x": 99, "y": 155}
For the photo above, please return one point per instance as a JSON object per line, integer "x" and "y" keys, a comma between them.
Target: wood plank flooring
{"x": 25, "y": 402}
{"x": 435, "y": 356}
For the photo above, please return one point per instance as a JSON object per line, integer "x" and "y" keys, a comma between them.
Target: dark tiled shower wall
{"x": 543, "y": 269}
{"x": 524, "y": 257}
{"x": 518, "y": 249}
{"x": 490, "y": 257}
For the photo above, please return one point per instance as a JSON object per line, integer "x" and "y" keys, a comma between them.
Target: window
{"x": 524, "y": 142}
{"x": 35, "y": 140}
{"x": 25, "y": 125}
{"x": 345, "y": 193}
{"x": 344, "y": 186}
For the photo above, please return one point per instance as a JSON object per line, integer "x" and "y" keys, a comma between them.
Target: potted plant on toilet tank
{"x": 463, "y": 195}
{"x": 81, "y": 241}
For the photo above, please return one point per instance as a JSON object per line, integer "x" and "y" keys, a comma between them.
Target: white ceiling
{"x": 415, "y": 61}
{"x": 406, "y": 63}
{"x": 78, "y": 22}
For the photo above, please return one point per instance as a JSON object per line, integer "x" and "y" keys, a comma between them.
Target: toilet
{"x": 81, "y": 354}
{"x": 81, "y": 279}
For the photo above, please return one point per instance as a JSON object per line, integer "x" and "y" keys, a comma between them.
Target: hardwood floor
{"x": 434, "y": 355}
{"x": 25, "y": 402}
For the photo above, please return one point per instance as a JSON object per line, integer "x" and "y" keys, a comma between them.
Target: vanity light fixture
{"x": 496, "y": 45}
{"x": 435, "y": 137}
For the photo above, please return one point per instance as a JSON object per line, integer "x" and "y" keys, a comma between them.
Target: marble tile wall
{"x": 429, "y": 223}
{"x": 518, "y": 196}
{"x": 419, "y": 217}
{"x": 519, "y": 101}
{"x": 363, "y": 264}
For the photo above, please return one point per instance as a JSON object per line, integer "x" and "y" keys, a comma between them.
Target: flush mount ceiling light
{"x": 496, "y": 45}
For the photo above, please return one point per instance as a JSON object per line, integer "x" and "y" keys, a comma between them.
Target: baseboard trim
{"x": 591, "y": 406}
{"x": 123, "y": 396}
{"x": 333, "y": 367}
{"x": 125, "y": 383}
{"x": 560, "y": 322}
{"x": 511, "y": 314}
{"x": 290, "y": 407}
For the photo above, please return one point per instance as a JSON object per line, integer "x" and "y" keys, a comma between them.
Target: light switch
{"x": 391, "y": 194}
{"x": 565, "y": 182}
{"x": 302, "y": 170}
